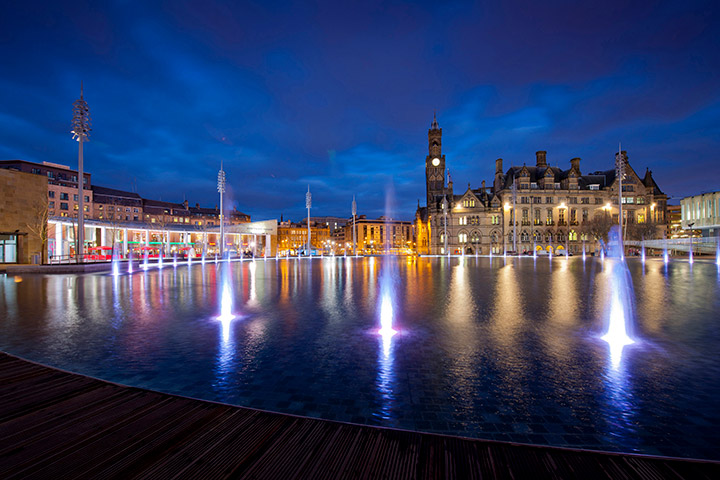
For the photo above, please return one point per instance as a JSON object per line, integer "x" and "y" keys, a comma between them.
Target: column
{"x": 59, "y": 250}
{"x": 125, "y": 244}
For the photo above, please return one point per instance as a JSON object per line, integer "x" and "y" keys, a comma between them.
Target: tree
{"x": 598, "y": 228}
{"x": 38, "y": 225}
{"x": 642, "y": 231}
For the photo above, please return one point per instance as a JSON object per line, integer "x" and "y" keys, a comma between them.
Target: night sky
{"x": 341, "y": 97}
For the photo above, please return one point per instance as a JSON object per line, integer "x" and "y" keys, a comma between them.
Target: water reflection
{"x": 483, "y": 350}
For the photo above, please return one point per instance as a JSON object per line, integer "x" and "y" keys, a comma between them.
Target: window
{"x": 533, "y": 186}
{"x": 524, "y": 186}
{"x": 51, "y": 204}
{"x": 87, "y": 199}
{"x": 36, "y": 171}
{"x": 63, "y": 196}
{"x": 63, "y": 206}
{"x": 495, "y": 219}
{"x": 595, "y": 186}
{"x": 538, "y": 220}
{"x": 585, "y": 215}
{"x": 573, "y": 216}
{"x": 462, "y": 238}
{"x": 526, "y": 216}
{"x": 585, "y": 200}
{"x": 127, "y": 209}
{"x": 135, "y": 210}
{"x": 75, "y": 197}
{"x": 640, "y": 200}
{"x": 598, "y": 200}
{"x": 524, "y": 199}
{"x": 549, "y": 200}
{"x": 468, "y": 203}
{"x": 549, "y": 217}
{"x": 573, "y": 200}
{"x": 641, "y": 218}
{"x": 462, "y": 221}
{"x": 557, "y": 186}
{"x": 51, "y": 175}
{"x": 561, "y": 216}
{"x": 51, "y": 194}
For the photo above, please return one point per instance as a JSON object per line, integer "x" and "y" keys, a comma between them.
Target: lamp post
{"x": 620, "y": 172}
{"x": 221, "y": 191}
{"x": 354, "y": 213}
{"x": 81, "y": 131}
{"x": 445, "y": 238}
{"x": 514, "y": 219}
{"x": 308, "y": 205}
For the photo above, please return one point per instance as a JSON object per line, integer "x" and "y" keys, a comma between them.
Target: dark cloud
{"x": 339, "y": 97}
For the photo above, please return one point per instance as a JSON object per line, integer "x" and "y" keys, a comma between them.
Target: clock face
{"x": 436, "y": 162}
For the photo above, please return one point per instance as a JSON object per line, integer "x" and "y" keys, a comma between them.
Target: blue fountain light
{"x": 617, "y": 335}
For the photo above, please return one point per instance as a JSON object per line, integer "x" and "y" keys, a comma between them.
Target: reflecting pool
{"x": 507, "y": 349}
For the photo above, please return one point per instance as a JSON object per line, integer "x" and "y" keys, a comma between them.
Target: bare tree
{"x": 642, "y": 231}
{"x": 38, "y": 226}
{"x": 598, "y": 228}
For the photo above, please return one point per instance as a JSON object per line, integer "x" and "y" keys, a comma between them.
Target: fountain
{"x": 642, "y": 253}
{"x": 226, "y": 300}
{"x": 175, "y": 260}
{"x": 130, "y": 263}
{"x": 717, "y": 253}
{"x": 115, "y": 264}
{"x": 620, "y": 318}
{"x": 160, "y": 261}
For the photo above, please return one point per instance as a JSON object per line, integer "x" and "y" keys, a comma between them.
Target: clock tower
{"x": 434, "y": 164}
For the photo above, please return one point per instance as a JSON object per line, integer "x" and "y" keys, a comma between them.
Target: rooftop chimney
{"x": 575, "y": 165}
{"x": 498, "y": 166}
{"x": 541, "y": 158}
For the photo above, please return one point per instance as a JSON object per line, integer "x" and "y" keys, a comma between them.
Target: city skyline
{"x": 341, "y": 98}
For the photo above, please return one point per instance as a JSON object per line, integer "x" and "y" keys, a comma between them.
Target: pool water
{"x": 503, "y": 349}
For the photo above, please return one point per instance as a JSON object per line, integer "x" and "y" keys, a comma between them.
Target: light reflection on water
{"x": 505, "y": 350}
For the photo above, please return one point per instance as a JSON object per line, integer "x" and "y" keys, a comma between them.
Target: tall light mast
{"x": 445, "y": 237}
{"x": 620, "y": 173}
{"x": 514, "y": 218}
{"x": 354, "y": 213}
{"x": 308, "y": 205}
{"x": 221, "y": 191}
{"x": 81, "y": 131}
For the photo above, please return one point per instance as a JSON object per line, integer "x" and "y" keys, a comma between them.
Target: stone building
{"x": 539, "y": 208}
{"x": 23, "y": 210}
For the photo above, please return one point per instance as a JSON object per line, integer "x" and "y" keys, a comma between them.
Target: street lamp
{"x": 81, "y": 131}
{"x": 445, "y": 209}
{"x": 221, "y": 191}
{"x": 354, "y": 213}
{"x": 308, "y": 205}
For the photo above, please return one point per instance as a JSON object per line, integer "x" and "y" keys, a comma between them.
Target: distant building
{"x": 528, "y": 208}
{"x": 380, "y": 236}
{"x": 674, "y": 223}
{"x": 292, "y": 238}
{"x": 701, "y": 212}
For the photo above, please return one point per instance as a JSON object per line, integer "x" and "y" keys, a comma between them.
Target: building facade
{"x": 537, "y": 208}
{"x": 379, "y": 236}
{"x": 701, "y": 212}
{"x": 292, "y": 238}
{"x": 23, "y": 217}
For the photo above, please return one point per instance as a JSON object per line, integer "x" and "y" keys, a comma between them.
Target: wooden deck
{"x": 59, "y": 425}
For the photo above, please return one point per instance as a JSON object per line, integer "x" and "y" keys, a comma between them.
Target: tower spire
{"x": 435, "y": 125}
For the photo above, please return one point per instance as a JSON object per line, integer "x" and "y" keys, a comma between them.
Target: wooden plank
{"x": 59, "y": 425}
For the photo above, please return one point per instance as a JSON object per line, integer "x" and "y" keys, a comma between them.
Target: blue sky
{"x": 339, "y": 95}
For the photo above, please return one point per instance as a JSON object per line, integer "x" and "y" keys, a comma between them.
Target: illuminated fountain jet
{"x": 115, "y": 265}
{"x": 226, "y": 303}
{"x": 175, "y": 260}
{"x": 130, "y": 261}
{"x": 620, "y": 319}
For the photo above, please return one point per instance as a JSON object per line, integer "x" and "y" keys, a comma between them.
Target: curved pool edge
{"x": 282, "y": 446}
